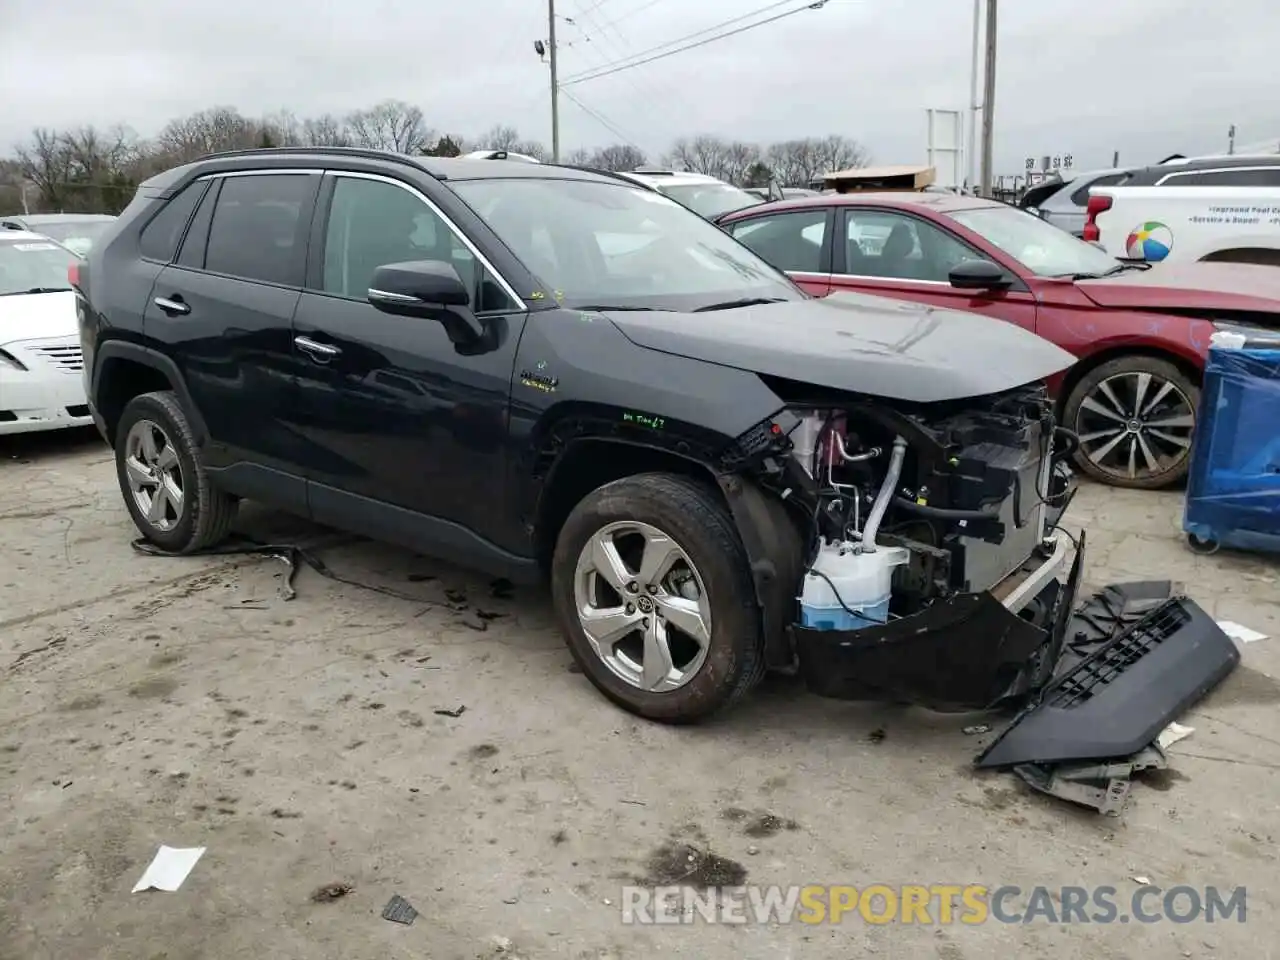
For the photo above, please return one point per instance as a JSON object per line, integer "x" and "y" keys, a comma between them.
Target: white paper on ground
{"x": 1172, "y": 734}
{"x": 169, "y": 868}
{"x": 1240, "y": 633}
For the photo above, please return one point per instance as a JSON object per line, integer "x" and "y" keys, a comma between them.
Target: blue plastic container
{"x": 1233, "y": 484}
{"x": 838, "y": 618}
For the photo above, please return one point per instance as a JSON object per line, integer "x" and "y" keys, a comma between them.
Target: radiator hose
{"x": 884, "y": 496}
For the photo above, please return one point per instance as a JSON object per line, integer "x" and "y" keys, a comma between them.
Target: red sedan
{"x": 1141, "y": 331}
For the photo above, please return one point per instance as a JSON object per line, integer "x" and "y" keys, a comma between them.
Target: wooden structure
{"x": 904, "y": 177}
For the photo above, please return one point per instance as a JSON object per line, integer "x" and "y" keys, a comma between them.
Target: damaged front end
{"x": 935, "y": 574}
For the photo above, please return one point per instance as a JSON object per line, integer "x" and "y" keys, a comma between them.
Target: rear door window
{"x": 259, "y": 226}
{"x": 789, "y": 241}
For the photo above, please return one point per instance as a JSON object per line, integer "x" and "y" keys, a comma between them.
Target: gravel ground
{"x": 311, "y": 742}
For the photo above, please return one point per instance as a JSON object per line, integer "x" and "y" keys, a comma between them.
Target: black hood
{"x": 869, "y": 345}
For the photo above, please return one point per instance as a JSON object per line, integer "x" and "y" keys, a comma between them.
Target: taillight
{"x": 1097, "y": 204}
{"x": 73, "y": 275}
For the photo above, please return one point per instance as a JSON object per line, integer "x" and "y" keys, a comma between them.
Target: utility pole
{"x": 972, "y": 149}
{"x": 555, "y": 83}
{"x": 989, "y": 100}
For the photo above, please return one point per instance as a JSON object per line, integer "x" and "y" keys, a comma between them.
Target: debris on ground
{"x": 976, "y": 729}
{"x": 1172, "y": 734}
{"x": 681, "y": 863}
{"x": 452, "y": 713}
{"x": 502, "y": 589}
{"x": 877, "y": 735}
{"x": 169, "y": 868}
{"x": 399, "y": 910}
{"x": 330, "y": 892}
{"x": 1144, "y": 881}
{"x": 1239, "y": 632}
{"x": 473, "y": 622}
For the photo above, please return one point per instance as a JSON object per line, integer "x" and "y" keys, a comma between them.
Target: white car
{"x": 706, "y": 196}
{"x": 499, "y": 155}
{"x": 41, "y": 385}
{"x": 1219, "y": 209}
{"x": 77, "y": 232}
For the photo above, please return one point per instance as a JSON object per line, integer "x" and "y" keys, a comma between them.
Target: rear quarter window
{"x": 1081, "y": 197}
{"x": 161, "y": 236}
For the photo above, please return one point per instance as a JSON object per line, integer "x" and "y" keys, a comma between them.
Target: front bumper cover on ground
{"x": 1096, "y": 682}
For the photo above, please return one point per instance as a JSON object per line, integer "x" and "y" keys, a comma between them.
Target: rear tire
{"x": 166, "y": 488}
{"x": 706, "y": 589}
{"x": 1111, "y": 409}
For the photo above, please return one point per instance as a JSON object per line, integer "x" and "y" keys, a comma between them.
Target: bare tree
{"x": 739, "y": 157}
{"x": 840, "y": 153}
{"x": 795, "y": 162}
{"x": 580, "y": 157}
{"x": 391, "y": 125}
{"x": 498, "y": 137}
{"x": 326, "y": 131}
{"x": 702, "y": 154}
{"x": 208, "y": 131}
{"x": 620, "y": 156}
{"x": 46, "y": 162}
{"x": 283, "y": 129}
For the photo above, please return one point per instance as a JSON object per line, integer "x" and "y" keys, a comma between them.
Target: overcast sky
{"x": 1085, "y": 77}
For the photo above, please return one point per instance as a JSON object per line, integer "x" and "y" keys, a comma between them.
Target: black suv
{"x": 536, "y": 370}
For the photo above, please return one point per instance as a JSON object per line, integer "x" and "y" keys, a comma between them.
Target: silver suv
{"x": 1063, "y": 202}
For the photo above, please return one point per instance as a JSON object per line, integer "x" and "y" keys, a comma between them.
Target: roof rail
{"x": 601, "y": 171}
{"x": 366, "y": 153}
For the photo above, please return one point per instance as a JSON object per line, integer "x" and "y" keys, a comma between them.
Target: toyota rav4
{"x": 540, "y": 371}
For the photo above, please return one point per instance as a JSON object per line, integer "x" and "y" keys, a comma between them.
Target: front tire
{"x": 1135, "y": 417}
{"x": 653, "y": 590}
{"x": 166, "y": 488}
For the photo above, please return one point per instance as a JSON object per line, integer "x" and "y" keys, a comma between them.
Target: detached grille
{"x": 1113, "y": 659}
{"x": 66, "y": 358}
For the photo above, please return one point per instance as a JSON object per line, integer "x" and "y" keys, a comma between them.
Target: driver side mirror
{"x": 979, "y": 275}
{"x": 428, "y": 289}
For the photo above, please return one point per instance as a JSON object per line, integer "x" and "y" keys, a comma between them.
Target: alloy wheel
{"x": 154, "y": 475}
{"x": 1135, "y": 425}
{"x": 643, "y": 606}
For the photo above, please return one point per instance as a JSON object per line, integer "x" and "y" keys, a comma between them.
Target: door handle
{"x": 173, "y": 306}
{"x": 322, "y": 352}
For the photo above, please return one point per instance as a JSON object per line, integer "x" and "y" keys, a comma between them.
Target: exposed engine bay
{"x": 924, "y": 504}
{"x": 970, "y": 494}
{"x": 935, "y": 574}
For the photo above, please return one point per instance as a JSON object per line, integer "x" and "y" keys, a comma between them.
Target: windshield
{"x": 710, "y": 200}
{"x": 1044, "y": 249}
{"x": 597, "y": 243}
{"x": 28, "y": 266}
{"x": 78, "y": 235}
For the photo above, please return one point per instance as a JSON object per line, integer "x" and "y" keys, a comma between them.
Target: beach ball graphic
{"x": 1151, "y": 242}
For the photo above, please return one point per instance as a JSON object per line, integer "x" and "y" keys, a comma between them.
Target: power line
{"x": 693, "y": 36}
{"x": 603, "y": 121}
{"x": 628, "y": 14}
{"x": 646, "y": 58}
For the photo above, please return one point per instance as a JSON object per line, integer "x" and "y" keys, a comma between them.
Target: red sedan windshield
{"x": 1044, "y": 249}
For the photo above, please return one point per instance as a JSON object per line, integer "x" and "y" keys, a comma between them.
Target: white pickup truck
{"x": 1224, "y": 209}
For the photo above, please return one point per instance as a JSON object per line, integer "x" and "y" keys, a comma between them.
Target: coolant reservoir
{"x": 841, "y": 578}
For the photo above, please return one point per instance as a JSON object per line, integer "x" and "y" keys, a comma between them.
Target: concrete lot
{"x": 148, "y": 700}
